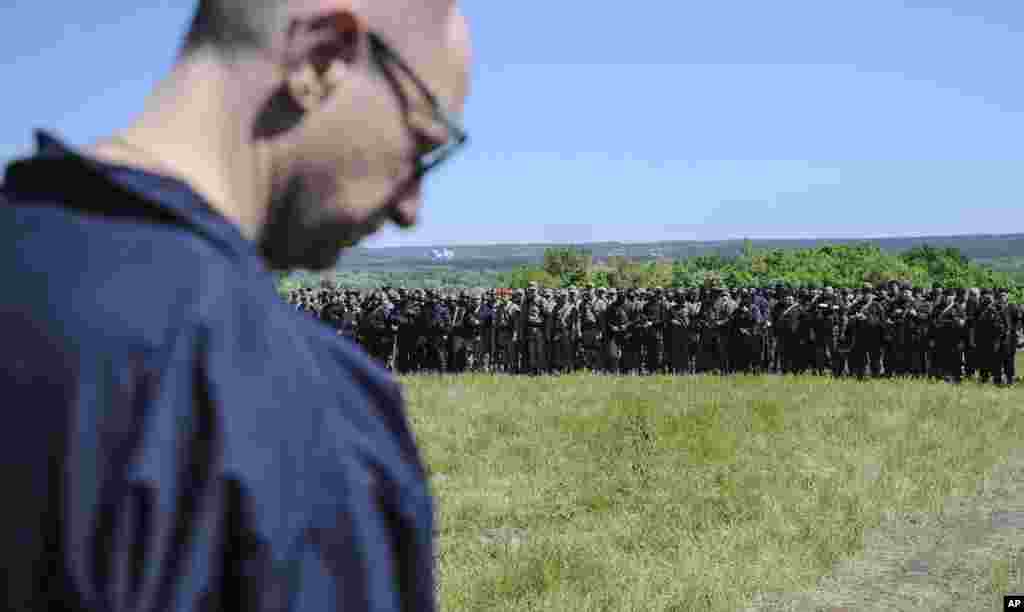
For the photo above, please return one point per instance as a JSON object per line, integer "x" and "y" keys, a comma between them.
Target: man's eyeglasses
{"x": 384, "y": 55}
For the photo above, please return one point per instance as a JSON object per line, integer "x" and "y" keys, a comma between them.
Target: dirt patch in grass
{"x": 965, "y": 557}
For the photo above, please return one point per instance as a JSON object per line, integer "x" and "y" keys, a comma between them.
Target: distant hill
{"x": 999, "y": 250}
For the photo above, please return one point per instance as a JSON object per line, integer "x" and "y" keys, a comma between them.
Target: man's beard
{"x": 298, "y": 234}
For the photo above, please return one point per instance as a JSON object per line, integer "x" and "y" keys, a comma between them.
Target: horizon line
{"x": 698, "y": 242}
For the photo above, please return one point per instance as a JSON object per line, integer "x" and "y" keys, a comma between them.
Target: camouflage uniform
{"x": 487, "y": 314}
{"x": 591, "y": 334}
{"x": 408, "y": 314}
{"x": 745, "y": 337}
{"x": 563, "y": 331}
{"x": 787, "y": 334}
{"x": 532, "y": 333}
{"x": 652, "y": 335}
{"x": 467, "y": 338}
{"x": 684, "y": 334}
{"x": 435, "y": 321}
{"x": 948, "y": 324}
{"x": 866, "y": 357}
{"x": 381, "y": 339}
{"x": 506, "y": 318}
{"x": 618, "y": 324}
{"x": 819, "y": 322}
{"x": 1006, "y": 353}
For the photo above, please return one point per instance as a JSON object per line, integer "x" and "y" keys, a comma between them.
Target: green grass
{"x": 685, "y": 493}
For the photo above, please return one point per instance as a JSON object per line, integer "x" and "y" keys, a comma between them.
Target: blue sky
{"x": 673, "y": 120}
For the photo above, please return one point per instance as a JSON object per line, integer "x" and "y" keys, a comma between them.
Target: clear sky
{"x": 656, "y": 120}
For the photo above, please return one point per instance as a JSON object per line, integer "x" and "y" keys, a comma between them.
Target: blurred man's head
{"x": 309, "y": 123}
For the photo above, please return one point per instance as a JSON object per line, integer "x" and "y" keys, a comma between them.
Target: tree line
{"x": 828, "y": 265}
{"x": 846, "y": 265}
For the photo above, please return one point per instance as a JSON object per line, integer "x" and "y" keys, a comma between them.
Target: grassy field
{"x": 684, "y": 493}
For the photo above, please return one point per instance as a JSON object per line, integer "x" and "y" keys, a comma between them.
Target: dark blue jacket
{"x": 178, "y": 437}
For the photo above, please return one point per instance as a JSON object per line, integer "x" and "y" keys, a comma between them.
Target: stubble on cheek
{"x": 327, "y": 207}
{"x": 298, "y": 231}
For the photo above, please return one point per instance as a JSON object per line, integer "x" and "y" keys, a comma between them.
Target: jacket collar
{"x": 59, "y": 174}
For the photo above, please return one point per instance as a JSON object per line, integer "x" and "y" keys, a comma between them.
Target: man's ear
{"x": 320, "y": 50}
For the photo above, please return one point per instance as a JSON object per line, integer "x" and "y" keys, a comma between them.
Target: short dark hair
{"x": 232, "y": 25}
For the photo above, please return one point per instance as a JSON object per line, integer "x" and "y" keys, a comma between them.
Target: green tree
{"x": 522, "y": 276}
{"x": 748, "y": 248}
{"x": 569, "y": 265}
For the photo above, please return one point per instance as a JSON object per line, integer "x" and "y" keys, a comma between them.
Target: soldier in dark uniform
{"x": 435, "y": 321}
{"x": 787, "y": 333}
{"x": 894, "y": 334}
{"x": 350, "y": 322}
{"x": 384, "y": 327}
{"x": 466, "y": 334}
{"x": 365, "y": 329}
{"x": 964, "y": 335}
{"x": 868, "y": 317}
{"x": 806, "y": 331}
{"x": 948, "y": 324}
{"x": 408, "y": 312}
{"x": 576, "y": 299}
{"x": 563, "y": 334}
{"x": 618, "y": 324}
{"x": 716, "y": 312}
{"x": 632, "y": 345}
{"x": 764, "y": 307}
{"x": 677, "y": 340}
{"x": 745, "y": 336}
{"x": 333, "y": 314}
{"x": 917, "y": 324}
{"x": 843, "y": 337}
{"x": 652, "y": 335}
{"x": 1006, "y": 354}
{"x": 548, "y": 307}
{"x": 779, "y": 303}
{"x": 704, "y": 352}
{"x": 591, "y": 333}
{"x": 971, "y": 307}
{"x": 989, "y": 334}
{"x": 694, "y": 330}
{"x": 505, "y": 334}
{"x": 532, "y": 332}
{"x": 820, "y": 338}
{"x": 451, "y": 303}
{"x": 488, "y": 314}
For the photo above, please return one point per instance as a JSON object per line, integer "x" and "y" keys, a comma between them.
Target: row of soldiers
{"x": 894, "y": 330}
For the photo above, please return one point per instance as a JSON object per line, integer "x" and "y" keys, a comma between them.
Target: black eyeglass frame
{"x": 383, "y": 54}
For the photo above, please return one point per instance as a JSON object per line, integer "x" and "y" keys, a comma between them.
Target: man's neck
{"x": 196, "y": 127}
